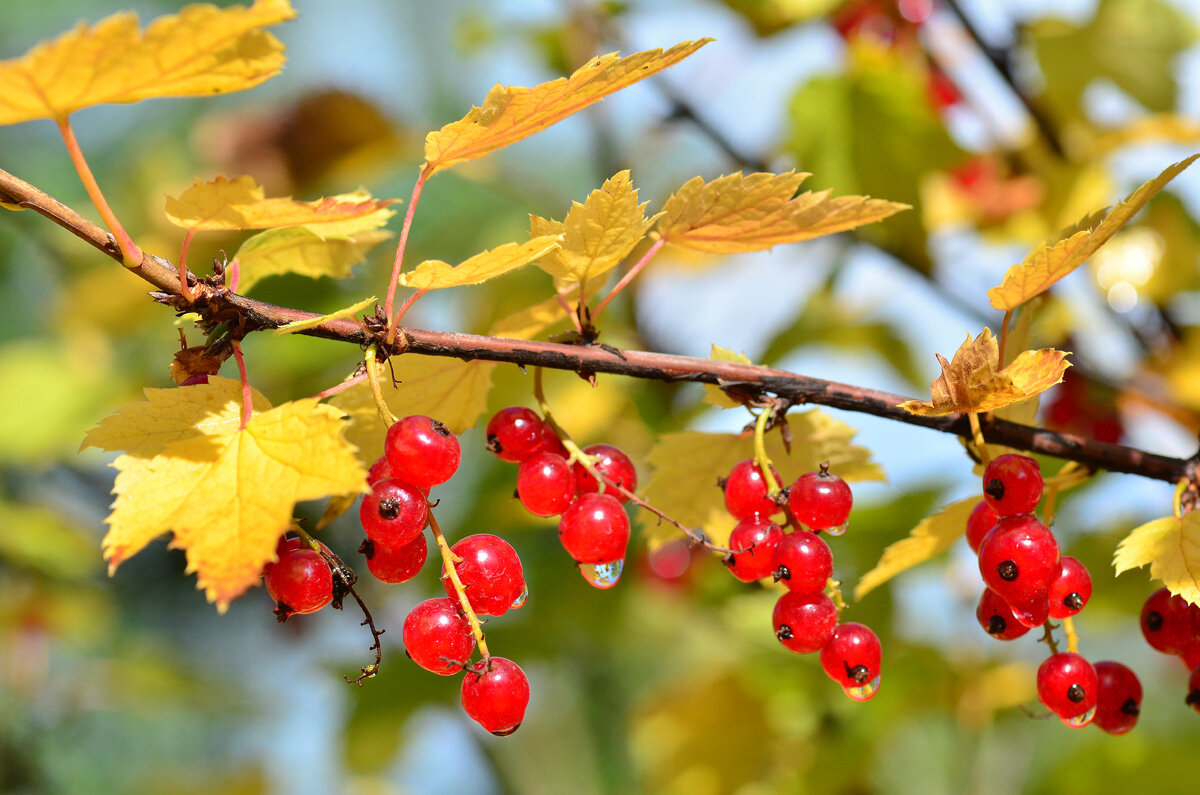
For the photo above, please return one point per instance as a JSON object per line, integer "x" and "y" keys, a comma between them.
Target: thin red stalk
{"x": 184, "y": 289}
{"x": 233, "y": 275}
{"x": 131, "y": 253}
{"x": 247, "y": 396}
{"x": 342, "y": 387}
{"x": 412, "y": 299}
{"x": 571, "y": 313}
{"x": 398, "y": 263}
{"x": 628, "y": 277}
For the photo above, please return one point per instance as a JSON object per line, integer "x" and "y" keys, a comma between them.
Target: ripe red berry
{"x": 982, "y": 519}
{"x": 1193, "y": 696}
{"x": 380, "y": 470}
{"x": 613, "y": 464}
{"x": 802, "y": 562}
{"x": 804, "y": 623}
{"x": 1012, "y": 484}
{"x": 545, "y": 484}
{"x": 1071, "y": 590}
{"x": 1120, "y": 697}
{"x": 300, "y": 580}
{"x": 395, "y": 565}
{"x": 491, "y": 572}
{"x": 437, "y": 636}
{"x": 594, "y": 529}
{"x": 1068, "y": 686}
{"x": 996, "y": 617}
{"x": 422, "y": 451}
{"x": 851, "y": 658}
{"x": 1167, "y": 622}
{"x": 1019, "y": 560}
{"x": 820, "y": 501}
{"x": 1191, "y": 655}
{"x": 496, "y": 699}
{"x": 515, "y": 433}
{"x": 753, "y": 543}
{"x": 394, "y": 513}
{"x": 551, "y": 443}
{"x": 746, "y": 491}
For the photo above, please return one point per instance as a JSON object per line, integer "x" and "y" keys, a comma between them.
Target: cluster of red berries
{"x": 805, "y": 618}
{"x": 1171, "y": 625}
{"x": 593, "y": 526}
{"x": 1028, "y": 582}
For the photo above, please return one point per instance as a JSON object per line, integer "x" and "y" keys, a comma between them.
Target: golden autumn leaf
{"x": 327, "y": 249}
{"x": 932, "y": 536}
{"x": 434, "y": 274}
{"x": 529, "y": 322}
{"x": 738, "y": 213}
{"x": 713, "y": 393}
{"x": 202, "y": 50}
{"x": 511, "y": 113}
{"x": 223, "y": 204}
{"x": 1050, "y": 262}
{"x": 1171, "y": 545}
{"x": 313, "y": 322}
{"x": 596, "y": 235}
{"x": 974, "y": 382}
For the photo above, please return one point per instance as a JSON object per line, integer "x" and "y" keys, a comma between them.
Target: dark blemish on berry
{"x": 997, "y": 625}
{"x": 1154, "y": 621}
{"x": 1130, "y": 707}
{"x": 994, "y": 488}
{"x": 389, "y": 508}
{"x": 1073, "y": 601}
{"x": 1008, "y": 570}
{"x": 784, "y": 632}
{"x": 1075, "y": 693}
{"x": 782, "y": 573}
{"x": 440, "y": 428}
{"x": 858, "y": 673}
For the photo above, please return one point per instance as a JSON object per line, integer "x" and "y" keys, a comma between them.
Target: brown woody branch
{"x": 742, "y": 380}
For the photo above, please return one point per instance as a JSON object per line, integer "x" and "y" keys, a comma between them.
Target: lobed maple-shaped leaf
{"x": 224, "y": 204}
{"x": 527, "y": 323}
{"x": 511, "y": 113}
{"x": 596, "y": 235}
{"x": 202, "y": 50}
{"x": 713, "y": 394}
{"x": 973, "y": 381}
{"x": 739, "y": 213}
{"x": 313, "y": 322}
{"x": 1171, "y": 545}
{"x": 434, "y": 274}
{"x": 326, "y": 249}
{"x": 1050, "y": 262}
{"x": 932, "y": 536}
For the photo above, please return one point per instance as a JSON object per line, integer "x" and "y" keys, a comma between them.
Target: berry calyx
{"x": 803, "y": 562}
{"x": 820, "y": 500}
{"x": 1019, "y": 560}
{"x": 1120, "y": 697}
{"x": 1012, "y": 484}
{"x": 746, "y": 491}
{"x": 1067, "y": 685}
{"x": 804, "y": 623}
{"x": 395, "y": 565}
{"x": 594, "y": 529}
{"x": 422, "y": 451}
{"x": 851, "y": 658}
{"x": 996, "y": 617}
{"x": 437, "y": 636}
{"x": 394, "y": 513}
{"x": 1071, "y": 590}
{"x": 612, "y": 464}
{"x": 981, "y": 520}
{"x": 753, "y": 543}
{"x": 491, "y": 573}
{"x": 1167, "y": 622}
{"x": 495, "y": 695}
{"x": 545, "y": 484}
{"x": 515, "y": 433}
{"x": 299, "y": 581}
{"x": 1193, "y": 696}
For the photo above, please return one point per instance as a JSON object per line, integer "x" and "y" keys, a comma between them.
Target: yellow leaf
{"x": 511, "y": 113}
{"x": 712, "y": 393}
{"x": 328, "y": 249}
{"x": 435, "y": 274}
{"x": 313, "y": 322}
{"x": 166, "y": 416}
{"x": 228, "y": 496}
{"x": 973, "y": 382}
{"x": 737, "y": 213}
{"x": 224, "y": 204}
{"x": 1049, "y": 262}
{"x": 529, "y": 322}
{"x": 1172, "y": 548}
{"x": 201, "y": 51}
{"x": 932, "y": 536}
{"x": 596, "y": 235}
{"x": 446, "y": 389}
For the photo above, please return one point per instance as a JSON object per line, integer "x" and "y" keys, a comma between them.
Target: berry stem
{"x": 381, "y": 405}
{"x": 630, "y": 274}
{"x": 1177, "y": 501}
{"x": 247, "y": 395}
{"x": 833, "y": 589}
{"x": 398, "y": 263}
{"x": 977, "y": 434}
{"x": 1048, "y": 637}
{"x": 448, "y": 561}
{"x": 185, "y": 289}
{"x": 1068, "y": 625}
{"x": 760, "y": 450}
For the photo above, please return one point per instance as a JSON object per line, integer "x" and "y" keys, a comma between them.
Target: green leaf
{"x": 932, "y": 536}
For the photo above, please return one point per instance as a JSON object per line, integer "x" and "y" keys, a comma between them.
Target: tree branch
{"x": 744, "y": 380}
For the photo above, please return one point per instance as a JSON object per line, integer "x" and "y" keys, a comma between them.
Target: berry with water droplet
{"x": 1120, "y": 697}
{"x": 613, "y": 465}
{"x": 996, "y": 617}
{"x": 804, "y": 623}
{"x": 820, "y": 500}
{"x": 299, "y": 581}
{"x": 753, "y": 544}
{"x": 1012, "y": 484}
{"x": 394, "y": 513}
{"x": 490, "y": 571}
{"x": 852, "y": 658}
{"x": 422, "y": 451}
{"x": 594, "y": 529}
{"x": 746, "y": 491}
{"x": 395, "y": 565}
{"x": 602, "y": 575}
{"x": 802, "y": 562}
{"x": 1019, "y": 560}
{"x": 1071, "y": 590}
{"x": 1068, "y": 686}
{"x": 496, "y": 696}
{"x": 981, "y": 520}
{"x": 545, "y": 484}
{"x": 515, "y": 433}
{"x": 437, "y": 636}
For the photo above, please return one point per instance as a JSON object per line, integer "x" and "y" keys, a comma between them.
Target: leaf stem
{"x": 760, "y": 450}
{"x": 385, "y": 413}
{"x": 233, "y": 275}
{"x": 1003, "y": 336}
{"x": 353, "y": 380}
{"x": 1177, "y": 502}
{"x": 132, "y": 254}
{"x": 630, "y": 274}
{"x": 398, "y": 263}
{"x": 185, "y": 289}
{"x": 977, "y": 435}
{"x": 247, "y": 395}
{"x": 448, "y": 561}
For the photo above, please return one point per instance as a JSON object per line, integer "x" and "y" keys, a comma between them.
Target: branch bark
{"x": 743, "y": 379}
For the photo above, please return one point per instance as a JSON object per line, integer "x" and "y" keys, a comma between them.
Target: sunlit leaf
{"x": 435, "y": 274}
{"x": 310, "y": 250}
{"x": 203, "y": 50}
{"x": 225, "y": 204}
{"x": 510, "y": 113}
{"x": 313, "y": 322}
{"x": 932, "y": 536}
{"x": 713, "y": 393}
{"x": 1172, "y": 548}
{"x": 531, "y": 321}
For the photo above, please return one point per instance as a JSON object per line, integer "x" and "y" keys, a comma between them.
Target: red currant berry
{"x": 1012, "y": 484}
{"x": 594, "y": 529}
{"x": 515, "y": 433}
{"x": 1191, "y": 656}
{"x": 496, "y": 698}
{"x": 982, "y": 519}
{"x": 820, "y": 500}
{"x": 1193, "y": 696}
{"x": 753, "y": 544}
{"x": 545, "y": 484}
{"x": 437, "y": 636}
{"x": 746, "y": 491}
{"x": 299, "y": 581}
{"x": 1068, "y": 686}
{"x": 1019, "y": 560}
{"x": 1167, "y": 622}
{"x": 394, "y": 513}
{"x": 613, "y": 465}
{"x": 422, "y": 451}
{"x": 380, "y": 470}
{"x": 803, "y": 562}
{"x": 1120, "y": 697}
{"x": 551, "y": 443}
{"x": 804, "y": 623}
{"x": 851, "y": 658}
{"x": 395, "y": 565}
{"x": 1071, "y": 590}
{"x": 996, "y": 617}
{"x": 491, "y": 572}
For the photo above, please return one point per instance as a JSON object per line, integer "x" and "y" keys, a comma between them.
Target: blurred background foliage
{"x": 1000, "y": 125}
